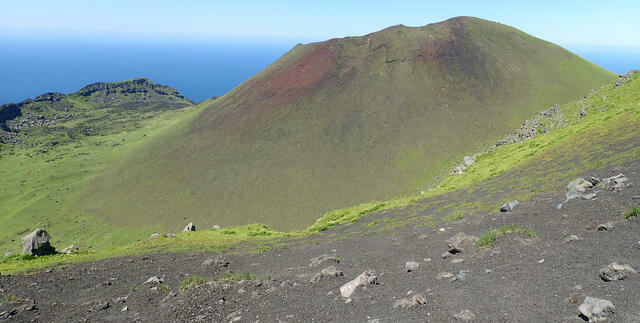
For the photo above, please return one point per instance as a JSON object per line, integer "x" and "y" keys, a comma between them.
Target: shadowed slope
{"x": 339, "y": 122}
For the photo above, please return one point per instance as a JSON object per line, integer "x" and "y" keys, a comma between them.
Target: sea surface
{"x": 199, "y": 69}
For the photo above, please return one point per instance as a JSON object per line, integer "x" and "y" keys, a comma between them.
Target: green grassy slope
{"x": 607, "y": 135}
{"x": 340, "y": 122}
{"x": 41, "y": 177}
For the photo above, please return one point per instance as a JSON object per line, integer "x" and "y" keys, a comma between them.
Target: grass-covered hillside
{"x": 600, "y": 131}
{"x": 53, "y": 145}
{"x": 340, "y": 122}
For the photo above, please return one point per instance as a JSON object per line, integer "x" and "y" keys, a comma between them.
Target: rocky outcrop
{"x": 595, "y": 309}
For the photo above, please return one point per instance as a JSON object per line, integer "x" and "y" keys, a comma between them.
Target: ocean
{"x": 199, "y": 69}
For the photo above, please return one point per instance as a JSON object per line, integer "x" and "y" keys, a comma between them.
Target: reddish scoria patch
{"x": 279, "y": 87}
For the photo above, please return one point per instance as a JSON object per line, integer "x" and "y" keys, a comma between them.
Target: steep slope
{"x": 347, "y": 120}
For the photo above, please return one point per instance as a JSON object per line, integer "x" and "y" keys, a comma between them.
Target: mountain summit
{"x": 343, "y": 121}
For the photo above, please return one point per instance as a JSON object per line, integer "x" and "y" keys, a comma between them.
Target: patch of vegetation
{"x": 192, "y": 281}
{"x": 632, "y": 212}
{"x": 10, "y": 299}
{"x": 237, "y": 276}
{"x": 164, "y": 288}
{"x": 490, "y": 238}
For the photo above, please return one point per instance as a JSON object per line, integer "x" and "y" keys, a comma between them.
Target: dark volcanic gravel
{"x": 520, "y": 279}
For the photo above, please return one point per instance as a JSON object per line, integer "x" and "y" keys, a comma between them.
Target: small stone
{"x": 155, "y": 235}
{"x": 461, "y": 242}
{"x": 457, "y": 261}
{"x": 443, "y": 275}
{"x": 635, "y": 197}
{"x": 573, "y": 298}
{"x": 464, "y": 315}
{"x": 8, "y": 254}
{"x": 426, "y": 259}
{"x": 461, "y": 277}
{"x": 69, "y": 250}
{"x": 606, "y": 226}
{"x": 595, "y": 309}
{"x": 331, "y": 271}
{"x": 124, "y": 309}
{"x": 571, "y": 238}
{"x": 446, "y": 255}
{"x": 415, "y": 300}
{"x": 154, "y": 280}
{"x": 614, "y": 271}
{"x": 411, "y": 266}
{"x": 215, "y": 227}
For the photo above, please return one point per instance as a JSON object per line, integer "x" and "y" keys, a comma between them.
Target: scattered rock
{"x": 606, "y": 226}
{"x": 460, "y": 242}
{"x": 170, "y": 235}
{"x": 509, "y": 206}
{"x": 189, "y": 227}
{"x": 215, "y": 227}
{"x": 571, "y": 238}
{"x": 590, "y": 196}
{"x": 446, "y": 255}
{"x": 457, "y": 261}
{"x": 124, "y": 309}
{"x": 70, "y": 249}
{"x": 155, "y": 235}
{"x": 462, "y": 276}
{"x": 574, "y": 298}
{"x": 315, "y": 261}
{"x": 464, "y": 315}
{"x": 577, "y": 187}
{"x": 443, "y": 275}
{"x": 367, "y": 277}
{"x": 154, "y": 280}
{"x": 415, "y": 300}
{"x": 613, "y": 271}
{"x": 595, "y": 309}
{"x": 218, "y": 261}
{"x": 411, "y": 266}
{"x": 330, "y": 271}
{"x": 37, "y": 243}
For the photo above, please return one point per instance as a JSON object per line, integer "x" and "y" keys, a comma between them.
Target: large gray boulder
{"x": 367, "y": 277}
{"x": 509, "y": 206}
{"x": 577, "y": 187}
{"x": 189, "y": 227}
{"x": 595, "y": 309}
{"x": 37, "y": 243}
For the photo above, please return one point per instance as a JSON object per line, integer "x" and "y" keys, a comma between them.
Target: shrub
{"x": 192, "y": 281}
{"x": 490, "y": 238}
{"x": 632, "y": 212}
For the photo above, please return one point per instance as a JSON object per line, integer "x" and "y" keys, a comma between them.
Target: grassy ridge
{"x": 337, "y": 123}
{"x": 584, "y": 141}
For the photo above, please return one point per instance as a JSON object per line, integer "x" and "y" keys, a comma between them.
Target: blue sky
{"x": 576, "y": 23}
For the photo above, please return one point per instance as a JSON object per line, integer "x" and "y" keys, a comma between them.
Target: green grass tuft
{"x": 632, "y": 212}
{"x": 490, "y": 238}
{"x": 192, "y": 281}
{"x": 237, "y": 277}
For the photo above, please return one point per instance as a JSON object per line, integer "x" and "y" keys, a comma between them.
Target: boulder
{"x": 367, "y": 277}
{"x": 613, "y": 271}
{"x": 189, "y": 227}
{"x": 411, "y": 266}
{"x": 460, "y": 242}
{"x": 595, "y": 309}
{"x": 70, "y": 249}
{"x": 509, "y": 206}
{"x": 415, "y": 300}
{"x": 37, "y": 243}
